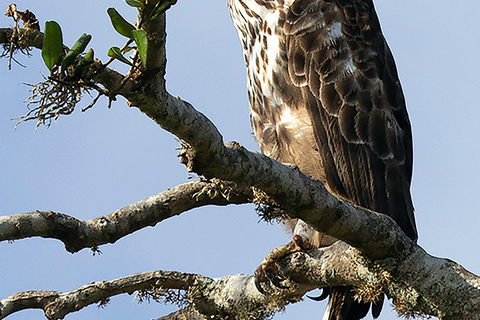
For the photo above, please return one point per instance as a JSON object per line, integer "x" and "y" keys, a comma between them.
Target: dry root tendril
{"x": 12, "y": 48}
{"x": 54, "y": 97}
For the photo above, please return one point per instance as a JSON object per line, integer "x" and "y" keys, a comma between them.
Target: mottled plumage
{"x": 324, "y": 95}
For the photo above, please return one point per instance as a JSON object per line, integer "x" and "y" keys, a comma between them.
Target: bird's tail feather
{"x": 342, "y": 306}
{"x": 326, "y": 315}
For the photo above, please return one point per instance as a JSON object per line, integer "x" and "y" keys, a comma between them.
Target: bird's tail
{"x": 326, "y": 315}
{"x": 342, "y": 306}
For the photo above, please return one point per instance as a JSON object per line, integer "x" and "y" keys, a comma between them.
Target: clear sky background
{"x": 90, "y": 164}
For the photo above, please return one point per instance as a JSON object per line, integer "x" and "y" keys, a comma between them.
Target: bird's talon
{"x": 323, "y": 296}
{"x": 276, "y": 281}
{"x": 260, "y": 275}
{"x": 258, "y": 285}
{"x": 300, "y": 243}
{"x": 268, "y": 272}
{"x": 268, "y": 269}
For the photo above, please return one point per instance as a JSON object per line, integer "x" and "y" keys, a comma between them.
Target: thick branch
{"x": 236, "y": 296}
{"x": 376, "y": 236}
{"x": 78, "y": 234}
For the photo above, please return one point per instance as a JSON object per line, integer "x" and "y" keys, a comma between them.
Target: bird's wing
{"x": 337, "y": 54}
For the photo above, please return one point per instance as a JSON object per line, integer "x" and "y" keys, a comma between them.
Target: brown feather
{"x": 326, "y": 97}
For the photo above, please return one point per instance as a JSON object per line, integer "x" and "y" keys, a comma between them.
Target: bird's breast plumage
{"x": 280, "y": 127}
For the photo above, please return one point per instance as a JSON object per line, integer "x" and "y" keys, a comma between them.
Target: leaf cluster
{"x": 54, "y": 54}
{"x": 62, "y": 90}
{"x": 129, "y": 31}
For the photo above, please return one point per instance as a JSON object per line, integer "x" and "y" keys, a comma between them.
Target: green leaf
{"x": 161, "y": 7}
{"x": 84, "y": 61}
{"x": 52, "y": 44}
{"x": 81, "y": 43}
{"x": 136, "y": 3}
{"x": 116, "y": 52}
{"x": 127, "y": 49}
{"x": 120, "y": 24}
{"x": 89, "y": 56}
{"x": 141, "y": 40}
{"x": 77, "y": 48}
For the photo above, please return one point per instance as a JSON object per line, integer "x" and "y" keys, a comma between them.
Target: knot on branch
{"x": 187, "y": 156}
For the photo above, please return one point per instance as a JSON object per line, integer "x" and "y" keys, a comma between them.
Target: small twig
{"x": 94, "y": 101}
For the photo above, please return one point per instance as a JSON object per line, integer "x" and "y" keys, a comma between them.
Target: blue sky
{"x": 90, "y": 164}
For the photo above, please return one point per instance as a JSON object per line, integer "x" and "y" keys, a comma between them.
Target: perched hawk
{"x": 324, "y": 95}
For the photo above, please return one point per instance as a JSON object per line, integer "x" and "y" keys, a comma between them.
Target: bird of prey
{"x": 324, "y": 95}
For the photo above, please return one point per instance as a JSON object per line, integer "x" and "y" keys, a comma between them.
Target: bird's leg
{"x": 268, "y": 269}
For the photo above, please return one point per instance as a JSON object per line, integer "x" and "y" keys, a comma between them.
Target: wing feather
{"x": 336, "y": 52}
{"x": 358, "y": 112}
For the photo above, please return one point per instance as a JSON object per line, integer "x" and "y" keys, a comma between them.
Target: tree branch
{"x": 78, "y": 234}
{"x": 56, "y": 304}
{"x": 443, "y": 288}
{"x": 234, "y": 296}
